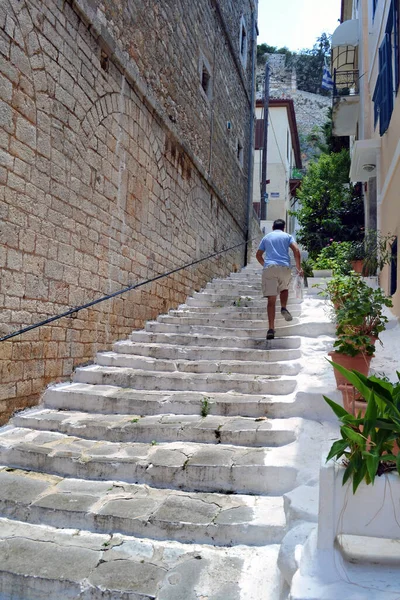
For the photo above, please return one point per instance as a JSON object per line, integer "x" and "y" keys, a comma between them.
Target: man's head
{"x": 278, "y": 224}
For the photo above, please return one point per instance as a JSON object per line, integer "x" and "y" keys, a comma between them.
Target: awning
{"x": 347, "y": 34}
{"x": 364, "y": 155}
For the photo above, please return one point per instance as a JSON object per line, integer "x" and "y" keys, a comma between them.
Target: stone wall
{"x": 115, "y": 166}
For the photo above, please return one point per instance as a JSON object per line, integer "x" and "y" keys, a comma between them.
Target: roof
{"x": 289, "y": 105}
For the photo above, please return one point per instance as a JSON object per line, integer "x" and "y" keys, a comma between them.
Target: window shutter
{"x": 259, "y": 134}
{"x": 386, "y": 83}
{"x": 396, "y": 48}
{"x": 376, "y": 99}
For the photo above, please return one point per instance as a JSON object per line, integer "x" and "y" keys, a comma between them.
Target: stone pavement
{"x": 173, "y": 467}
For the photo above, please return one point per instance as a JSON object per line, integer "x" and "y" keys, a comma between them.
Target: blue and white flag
{"x": 327, "y": 81}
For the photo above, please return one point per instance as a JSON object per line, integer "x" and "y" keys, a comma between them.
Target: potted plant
{"x": 332, "y": 258}
{"x": 358, "y": 313}
{"x": 356, "y": 256}
{"x": 369, "y": 443}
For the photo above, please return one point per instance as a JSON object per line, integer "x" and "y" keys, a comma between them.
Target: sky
{"x": 296, "y": 23}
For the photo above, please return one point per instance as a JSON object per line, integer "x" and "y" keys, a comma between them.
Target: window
{"x": 243, "y": 42}
{"x": 205, "y": 76}
{"x": 239, "y": 152}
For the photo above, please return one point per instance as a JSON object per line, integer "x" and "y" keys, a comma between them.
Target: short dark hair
{"x": 278, "y": 224}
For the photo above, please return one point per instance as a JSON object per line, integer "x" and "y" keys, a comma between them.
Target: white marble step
{"x": 197, "y": 382}
{"x": 238, "y": 300}
{"x": 254, "y": 343}
{"x": 39, "y": 562}
{"x": 237, "y": 431}
{"x": 232, "y": 312}
{"x": 193, "y": 353}
{"x": 140, "y": 510}
{"x": 182, "y": 465}
{"x": 305, "y": 328}
{"x": 109, "y": 399}
{"x": 117, "y": 359}
{"x": 233, "y": 321}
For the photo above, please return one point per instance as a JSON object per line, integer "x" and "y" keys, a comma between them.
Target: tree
{"x": 331, "y": 208}
{"x": 309, "y": 65}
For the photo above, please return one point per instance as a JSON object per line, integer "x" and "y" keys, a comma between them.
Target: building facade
{"x": 124, "y": 154}
{"x": 284, "y": 166}
{"x": 367, "y": 108}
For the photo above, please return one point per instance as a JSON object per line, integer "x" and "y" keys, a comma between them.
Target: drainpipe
{"x": 251, "y": 131}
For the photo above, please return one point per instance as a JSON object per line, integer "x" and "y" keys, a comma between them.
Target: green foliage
{"x": 329, "y": 207}
{"x": 358, "y": 313}
{"x": 335, "y": 257}
{"x": 367, "y": 442}
{"x": 205, "y": 406}
{"x": 309, "y": 64}
{"x": 307, "y": 267}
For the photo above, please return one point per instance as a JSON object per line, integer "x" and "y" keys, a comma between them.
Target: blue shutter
{"x": 376, "y": 99}
{"x": 396, "y": 48}
{"x": 386, "y": 83}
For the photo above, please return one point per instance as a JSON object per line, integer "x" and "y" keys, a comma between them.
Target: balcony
{"x": 346, "y": 98}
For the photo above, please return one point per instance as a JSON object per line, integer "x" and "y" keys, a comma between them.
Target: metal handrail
{"x": 76, "y": 309}
{"x": 346, "y": 83}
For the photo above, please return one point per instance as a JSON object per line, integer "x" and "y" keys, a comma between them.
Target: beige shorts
{"x": 275, "y": 279}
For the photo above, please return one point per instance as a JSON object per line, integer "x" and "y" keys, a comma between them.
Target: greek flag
{"x": 327, "y": 82}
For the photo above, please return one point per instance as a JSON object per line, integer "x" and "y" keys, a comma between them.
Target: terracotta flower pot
{"x": 352, "y": 399}
{"x": 357, "y": 265}
{"x": 360, "y": 363}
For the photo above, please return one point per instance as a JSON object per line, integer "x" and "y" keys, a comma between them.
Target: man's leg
{"x": 271, "y": 317}
{"x": 284, "y": 295}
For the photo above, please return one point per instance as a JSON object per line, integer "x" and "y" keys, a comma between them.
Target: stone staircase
{"x": 161, "y": 471}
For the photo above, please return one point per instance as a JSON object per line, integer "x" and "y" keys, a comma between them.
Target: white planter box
{"x": 373, "y": 511}
{"x": 322, "y": 272}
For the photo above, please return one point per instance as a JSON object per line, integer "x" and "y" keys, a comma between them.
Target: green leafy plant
{"x": 334, "y": 256}
{"x": 205, "y": 406}
{"x": 358, "y": 313}
{"x": 330, "y": 207}
{"x": 368, "y": 443}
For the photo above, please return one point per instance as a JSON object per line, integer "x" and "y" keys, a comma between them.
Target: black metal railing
{"x": 76, "y": 309}
{"x": 346, "y": 83}
{"x": 297, "y": 173}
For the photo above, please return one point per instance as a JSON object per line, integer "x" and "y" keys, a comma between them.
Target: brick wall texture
{"x": 115, "y": 166}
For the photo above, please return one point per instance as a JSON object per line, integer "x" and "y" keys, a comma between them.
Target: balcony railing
{"x": 346, "y": 83}
{"x": 297, "y": 173}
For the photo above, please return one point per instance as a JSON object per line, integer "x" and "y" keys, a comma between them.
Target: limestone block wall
{"x": 115, "y": 166}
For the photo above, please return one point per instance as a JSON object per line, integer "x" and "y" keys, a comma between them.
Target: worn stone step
{"x": 185, "y": 339}
{"x": 232, "y": 321}
{"x": 307, "y": 328}
{"x": 117, "y": 359}
{"x": 199, "y": 382}
{"x": 237, "y": 431}
{"x": 109, "y": 399}
{"x": 221, "y": 298}
{"x": 232, "y": 312}
{"x": 39, "y": 562}
{"x": 188, "y": 466}
{"x": 140, "y": 510}
{"x": 179, "y": 352}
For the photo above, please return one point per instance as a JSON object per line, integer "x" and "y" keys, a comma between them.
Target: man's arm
{"x": 260, "y": 257}
{"x": 297, "y": 257}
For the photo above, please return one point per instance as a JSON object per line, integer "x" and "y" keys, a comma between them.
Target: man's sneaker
{"x": 286, "y": 314}
{"x": 270, "y": 334}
